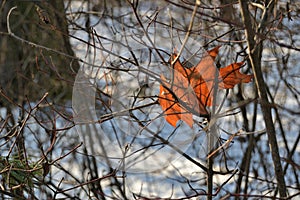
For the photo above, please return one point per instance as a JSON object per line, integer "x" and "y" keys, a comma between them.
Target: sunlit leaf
{"x": 191, "y": 90}
{"x": 231, "y": 75}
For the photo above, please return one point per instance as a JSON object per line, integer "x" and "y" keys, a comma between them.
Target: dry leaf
{"x": 231, "y": 75}
{"x": 191, "y": 89}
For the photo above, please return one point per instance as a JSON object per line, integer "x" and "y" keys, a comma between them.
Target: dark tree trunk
{"x": 30, "y": 71}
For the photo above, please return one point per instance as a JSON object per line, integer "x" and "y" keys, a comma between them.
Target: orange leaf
{"x": 231, "y": 76}
{"x": 190, "y": 91}
{"x": 187, "y": 79}
{"x": 214, "y": 52}
{"x": 207, "y": 71}
{"x": 173, "y": 110}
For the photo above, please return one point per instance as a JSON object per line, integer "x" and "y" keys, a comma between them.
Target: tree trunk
{"x": 255, "y": 53}
{"x": 29, "y": 71}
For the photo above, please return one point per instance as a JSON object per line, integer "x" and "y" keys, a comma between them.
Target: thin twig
{"x": 187, "y": 35}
